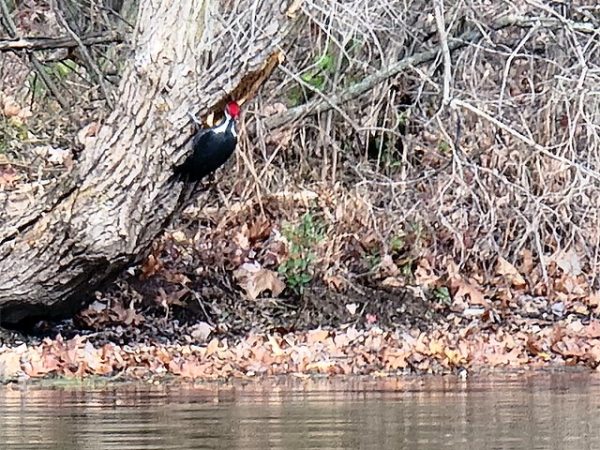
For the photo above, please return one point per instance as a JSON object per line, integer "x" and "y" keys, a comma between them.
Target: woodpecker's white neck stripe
{"x": 222, "y": 127}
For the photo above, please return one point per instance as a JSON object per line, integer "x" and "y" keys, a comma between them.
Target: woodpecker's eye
{"x": 233, "y": 109}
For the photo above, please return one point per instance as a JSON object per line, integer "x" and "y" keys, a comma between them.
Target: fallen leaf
{"x": 594, "y": 298}
{"x": 324, "y": 366}
{"x": 352, "y": 307}
{"x": 88, "y": 132}
{"x": 510, "y": 273}
{"x": 10, "y": 365}
{"x": 255, "y": 280}
{"x": 335, "y": 282}
{"x": 318, "y": 335}
{"x": 127, "y": 316}
{"x": 8, "y": 176}
{"x": 212, "y": 347}
{"x": 193, "y": 369}
{"x": 277, "y": 351}
{"x": 424, "y": 275}
{"x": 393, "y": 282}
{"x": 436, "y": 347}
{"x": 241, "y": 238}
{"x": 179, "y": 237}
{"x": 594, "y": 354}
{"x": 151, "y": 266}
{"x": 274, "y": 108}
{"x": 533, "y": 345}
{"x": 56, "y": 156}
{"x": 569, "y": 347}
{"x": 453, "y": 356}
{"x": 527, "y": 263}
{"x": 568, "y": 261}
{"x": 201, "y": 331}
{"x": 387, "y": 267}
{"x": 593, "y": 329}
{"x": 467, "y": 293}
{"x": 397, "y": 362}
{"x": 11, "y": 109}
{"x": 570, "y": 285}
{"x": 259, "y": 230}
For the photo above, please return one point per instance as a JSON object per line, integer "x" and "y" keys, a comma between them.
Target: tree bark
{"x": 105, "y": 216}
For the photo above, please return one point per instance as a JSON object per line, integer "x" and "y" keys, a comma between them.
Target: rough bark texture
{"x": 107, "y": 214}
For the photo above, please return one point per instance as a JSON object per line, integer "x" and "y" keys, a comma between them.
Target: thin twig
{"x": 443, "y": 35}
{"x": 508, "y": 64}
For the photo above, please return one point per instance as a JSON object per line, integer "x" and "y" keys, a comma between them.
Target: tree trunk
{"x": 106, "y": 215}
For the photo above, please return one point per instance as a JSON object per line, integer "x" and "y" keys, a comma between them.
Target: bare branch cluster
{"x": 372, "y": 92}
{"x": 62, "y": 37}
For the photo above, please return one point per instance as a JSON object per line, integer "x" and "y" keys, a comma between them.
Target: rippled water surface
{"x": 559, "y": 411}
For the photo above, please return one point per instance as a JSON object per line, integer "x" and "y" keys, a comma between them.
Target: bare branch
{"x": 45, "y": 43}
{"x": 441, "y": 27}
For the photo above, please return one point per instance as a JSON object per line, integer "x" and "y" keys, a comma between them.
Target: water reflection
{"x": 559, "y": 411}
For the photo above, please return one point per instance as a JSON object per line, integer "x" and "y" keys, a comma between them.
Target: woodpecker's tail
{"x": 179, "y": 174}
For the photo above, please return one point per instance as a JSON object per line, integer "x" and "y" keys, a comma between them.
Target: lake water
{"x": 553, "y": 411}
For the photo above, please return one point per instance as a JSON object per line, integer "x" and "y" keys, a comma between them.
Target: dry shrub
{"x": 519, "y": 174}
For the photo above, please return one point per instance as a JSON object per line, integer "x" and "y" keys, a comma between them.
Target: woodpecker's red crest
{"x": 233, "y": 110}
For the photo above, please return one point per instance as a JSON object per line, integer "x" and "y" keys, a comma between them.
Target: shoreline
{"x": 374, "y": 352}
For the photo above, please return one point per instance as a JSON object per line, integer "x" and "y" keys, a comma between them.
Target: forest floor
{"x": 184, "y": 313}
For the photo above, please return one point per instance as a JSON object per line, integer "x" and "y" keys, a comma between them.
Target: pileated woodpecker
{"x": 211, "y": 147}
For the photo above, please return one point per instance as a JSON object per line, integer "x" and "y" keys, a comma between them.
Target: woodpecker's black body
{"x": 211, "y": 147}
